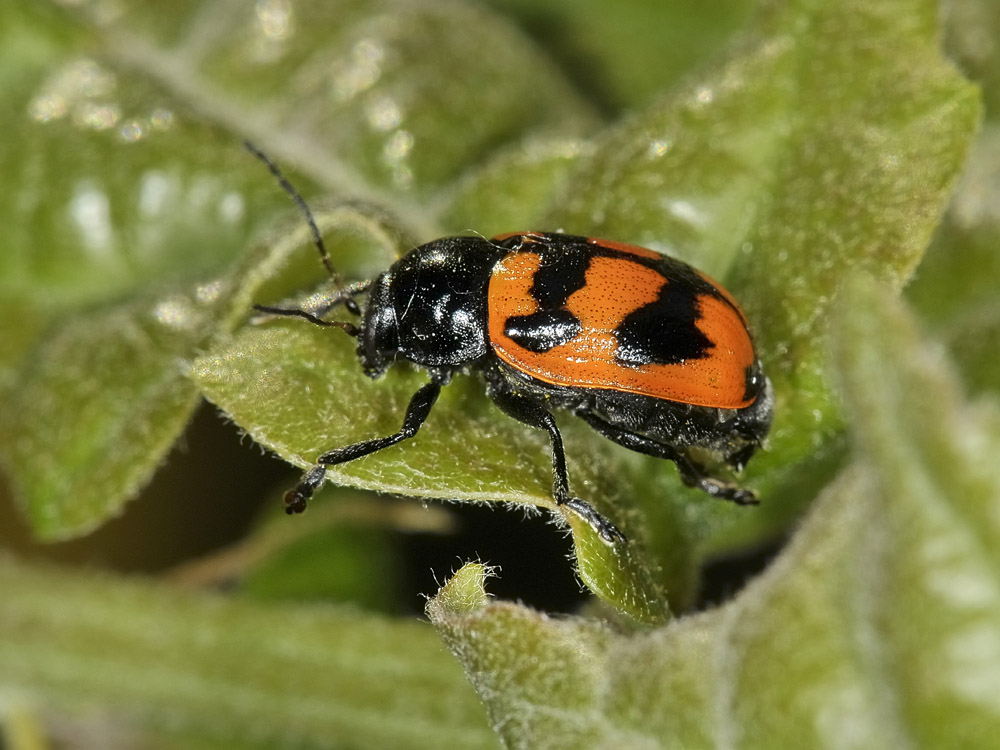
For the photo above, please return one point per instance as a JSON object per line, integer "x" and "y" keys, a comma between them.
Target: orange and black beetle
{"x": 648, "y": 351}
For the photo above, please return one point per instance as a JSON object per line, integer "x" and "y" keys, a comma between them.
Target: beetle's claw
{"x": 608, "y": 532}
{"x": 295, "y": 502}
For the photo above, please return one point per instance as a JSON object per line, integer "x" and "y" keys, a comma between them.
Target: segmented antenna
{"x": 349, "y": 328}
{"x": 349, "y": 303}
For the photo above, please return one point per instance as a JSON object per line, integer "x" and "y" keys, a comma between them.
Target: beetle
{"x": 651, "y": 353}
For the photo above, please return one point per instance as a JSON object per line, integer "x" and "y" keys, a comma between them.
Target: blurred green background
{"x": 784, "y": 147}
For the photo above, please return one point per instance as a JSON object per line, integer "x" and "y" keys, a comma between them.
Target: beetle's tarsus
{"x": 297, "y": 498}
{"x": 608, "y": 532}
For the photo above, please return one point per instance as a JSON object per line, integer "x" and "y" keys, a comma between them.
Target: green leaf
{"x": 515, "y": 190}
{"x": 122, "y": 138}
{"x": 167, "y": 669}
{"x": 75, "y": 448}
{"x": 364, "y": 81}
{"x": 824, "y": 141}
{"x": 938, "y": 586}
{"x": 298, "y": 390}
{"x": 104, "y": 396}
{"x": 536, "y": 675}
{"x": 106, "y": 270}
{"x": 878, "y": 626}
{"x": 627, "y": 57}
{"x": 955, "y": 287}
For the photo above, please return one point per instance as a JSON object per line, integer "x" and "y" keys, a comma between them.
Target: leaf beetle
{"x": 651, "y": 353}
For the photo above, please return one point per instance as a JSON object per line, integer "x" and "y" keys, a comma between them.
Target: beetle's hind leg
{"x": 533, "y": 414}
{"x": 692, "y": 473}
{"x": 417, "y": 412}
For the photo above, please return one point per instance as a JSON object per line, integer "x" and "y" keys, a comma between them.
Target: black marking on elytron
{"x": 664, "y": 331}
{"x": 543, "y": 330}
{"x": 561, "y": 272}
{"x": 675, "y": 271}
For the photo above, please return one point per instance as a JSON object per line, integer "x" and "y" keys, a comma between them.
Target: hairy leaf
{"x": 158, "y": 667}
{"x": 876, "y": 627}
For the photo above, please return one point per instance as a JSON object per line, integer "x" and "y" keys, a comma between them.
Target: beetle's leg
{"x": 533, "y": 414}
{"x": 692, "y": 474}
{"x": 416, "y": 414}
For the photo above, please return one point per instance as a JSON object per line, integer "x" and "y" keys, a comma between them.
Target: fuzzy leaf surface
{"x": 876, "y": 627}
{"x": 162, "y": 668}
{"x": 130, "y": 195}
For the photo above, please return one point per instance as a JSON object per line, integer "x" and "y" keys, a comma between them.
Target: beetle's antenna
{"x": 349, "y": 328}
{"x": 317, "y": 238}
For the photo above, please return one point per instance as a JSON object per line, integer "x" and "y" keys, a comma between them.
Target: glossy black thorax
{"x": 430, "y": 307}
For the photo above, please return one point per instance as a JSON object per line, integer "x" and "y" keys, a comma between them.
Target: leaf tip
{"x": 463, "y": 594}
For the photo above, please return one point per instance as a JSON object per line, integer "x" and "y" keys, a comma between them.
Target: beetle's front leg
{"x": 417, "y": 412}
